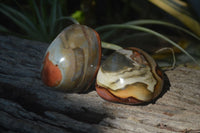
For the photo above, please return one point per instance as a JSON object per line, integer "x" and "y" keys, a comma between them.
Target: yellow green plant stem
{"x": 110, "y": 46}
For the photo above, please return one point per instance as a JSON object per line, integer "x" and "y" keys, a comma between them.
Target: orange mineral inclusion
{"x": 51, "y": 74}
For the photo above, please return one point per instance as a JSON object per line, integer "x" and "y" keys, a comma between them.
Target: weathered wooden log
{"x": 26, "y": 105}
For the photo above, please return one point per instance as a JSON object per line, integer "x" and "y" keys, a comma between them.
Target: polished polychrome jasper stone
{"x": 129, "y": 76}
{"x": 72, "y": 59}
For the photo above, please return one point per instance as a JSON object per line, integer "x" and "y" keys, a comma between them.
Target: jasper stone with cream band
{"x": 72, "y": 59}
{"x": 129, "y": 76}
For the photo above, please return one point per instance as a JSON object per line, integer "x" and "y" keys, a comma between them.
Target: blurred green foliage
{"x": 79, "y": 16}
{"x": 47, "y": 16}
{"x": 43, "y": 20}
{"x": 39, "y": 20}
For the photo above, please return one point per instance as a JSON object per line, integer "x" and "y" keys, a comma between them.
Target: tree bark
{"x": 26, "y": 105}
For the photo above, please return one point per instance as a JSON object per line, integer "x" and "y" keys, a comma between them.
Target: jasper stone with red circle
{"x": 72, "y": 60}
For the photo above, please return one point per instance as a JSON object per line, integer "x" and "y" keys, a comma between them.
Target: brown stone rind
{"x": 107, "y": 95}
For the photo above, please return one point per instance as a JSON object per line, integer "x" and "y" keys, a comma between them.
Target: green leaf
{"x": 18, "y": 22}
{"x": 4, "y": 29}
{"x": 14, "y": 14}
{"x": 110, "y": 46}
{"x": 68, "y": 18}
{"x": 41, "y": 21}
{"x": 53, "y": 17}
{"x": 157, "y": 22}
{"x": 179, "y": 9}
{"x": 125, "y": 26}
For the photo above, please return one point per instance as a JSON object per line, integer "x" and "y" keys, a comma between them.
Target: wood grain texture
{"x": 26, "y": 105}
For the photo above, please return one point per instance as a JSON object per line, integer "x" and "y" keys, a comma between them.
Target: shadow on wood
{"x": 26, "y": 105}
